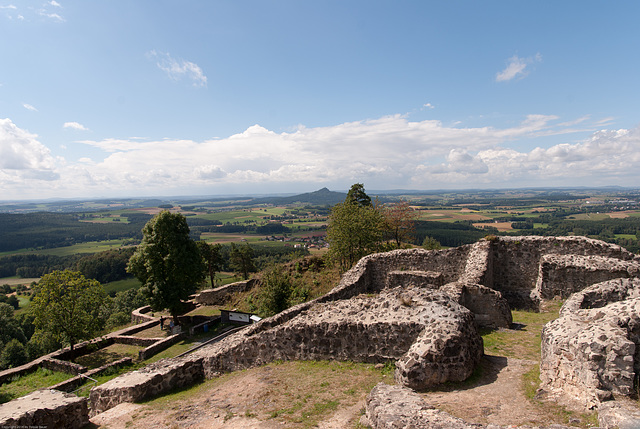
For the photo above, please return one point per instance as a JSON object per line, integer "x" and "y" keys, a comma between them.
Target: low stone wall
{"x": 45, "y": 409}
{"x": 220, "y": 295}
{"x": 63, "y": 366}
{"x": 147, "y": 382}
{"x": 591, "y": 354}
{"x": 160, "y": 345}
{"x": 490, "y": 309}
{"x": 139, "y": 315}
{"x": 135, "y": 341}
{"x": 76, "y": 382}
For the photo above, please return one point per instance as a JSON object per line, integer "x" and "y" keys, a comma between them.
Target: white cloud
{"x": 516, "y": 68}
{"x": 384, "y": 153}
{"x": 75, "y": 126}
{"x": 428, "y": 106}
{"x": 29, "y": 107}
{"x": 55, "y": 3}
{"x": 178, "y": 69}
{"x": 21, "y": 152}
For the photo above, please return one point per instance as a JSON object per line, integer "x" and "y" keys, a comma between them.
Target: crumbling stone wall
{"x": 516, "y": 262}
{"x": 562, "y": 275}
{"x": 147, "y": 382}
{"x": 591, "y": 354}
{"x": 220, "y": 295}
{"x": 434, "y": 338}
{"x": 45, "y": 409}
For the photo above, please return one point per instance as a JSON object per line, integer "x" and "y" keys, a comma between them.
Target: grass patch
{"x": 522, "y": 342}
{"x": 107, "y": 355}
{"x": 112, "y": 288}
{"x": 297, "y": 394}
{"x": 23, "y": 385}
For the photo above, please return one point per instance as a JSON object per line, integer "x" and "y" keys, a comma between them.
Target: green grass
{"x": 300, "y": 394}
{"x": 523, "y": 342}
{"x": 26, "y": 384}
{"x": 121, "y": 285}
{"x": 88, "y": 247}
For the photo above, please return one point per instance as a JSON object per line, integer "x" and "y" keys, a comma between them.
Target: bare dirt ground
{"x": 249, "y": 399}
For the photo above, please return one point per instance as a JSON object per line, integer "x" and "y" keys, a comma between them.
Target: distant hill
{"x": 320, "y": 197}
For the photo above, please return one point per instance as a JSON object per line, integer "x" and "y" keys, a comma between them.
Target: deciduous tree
{"x": 167, "y": 262}
{"x": 242, "y": 259}
{"x": 212, "y": 256}
{"x": 399, "y": 221}
{"x": 354, "y": 229}
{"x": 67, "y": 306}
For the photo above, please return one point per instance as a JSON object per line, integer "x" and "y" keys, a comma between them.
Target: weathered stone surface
{"x": 591, "y": 354}
{"x": 149, "y": 381}
{"x": 562, "y": 275}
{"x": 47, "y": 409}
{"x": 423, "y": 324}
{"x": 435, "y": 339}
{"x": 516, "y": 262}
{"x": 619, "y": 415}
{"x": 397, "y": 407}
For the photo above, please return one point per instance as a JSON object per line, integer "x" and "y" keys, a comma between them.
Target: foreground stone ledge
{"x": 47, "y": 409}
{"x": 396, "y": 407}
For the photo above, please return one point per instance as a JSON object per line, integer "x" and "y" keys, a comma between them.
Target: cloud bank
{"x": 385, "y": 153}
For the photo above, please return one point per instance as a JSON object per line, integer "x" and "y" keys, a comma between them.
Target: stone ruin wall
{"x": 591, "y": 353}
{"x": 467, "y": 274}
{"x": 46, "y": 409}
{"x": 219, "y": 295}
{"x": 516, "y": 262}
{"x": 563, "y": 275}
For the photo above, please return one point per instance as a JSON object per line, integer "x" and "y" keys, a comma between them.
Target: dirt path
{"x": 496, "y": 398}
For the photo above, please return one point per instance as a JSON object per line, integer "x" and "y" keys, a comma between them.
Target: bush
{"x": 276, "y": 292}
{"x": 14, "y": 354}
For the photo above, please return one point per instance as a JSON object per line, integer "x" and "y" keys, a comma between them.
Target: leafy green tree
{"x": 67, "y": 306}
{"x": 9, "y": 327}
{"x": 276, "y": 291}
{"x": 357, "y": 195}
{"x": 14, "y": 354}
{"x": 212, "y": 256}
{"x": 355, "y": 229}
{"x": 167, "y": 262}
{"x": 431, "y": 243}
{"x": 242, "y": 259}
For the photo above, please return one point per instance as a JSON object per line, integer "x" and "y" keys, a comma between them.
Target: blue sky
{"x": 117, "y": 98}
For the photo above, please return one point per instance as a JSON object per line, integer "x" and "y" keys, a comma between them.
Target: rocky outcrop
{"x": 591, "y": 353}
{"x": 45, "y": 409}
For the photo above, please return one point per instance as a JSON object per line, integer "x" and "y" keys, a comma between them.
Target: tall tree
{"x": 242, "y": 259}
{"x": 355, "y": 229}
{"x": 399, "y": 221}
{"x": 167, "y": 262}
{"x": 357, "y": 195}
{"x": 212, "y": 256}
{"x": 67, "y": 307}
